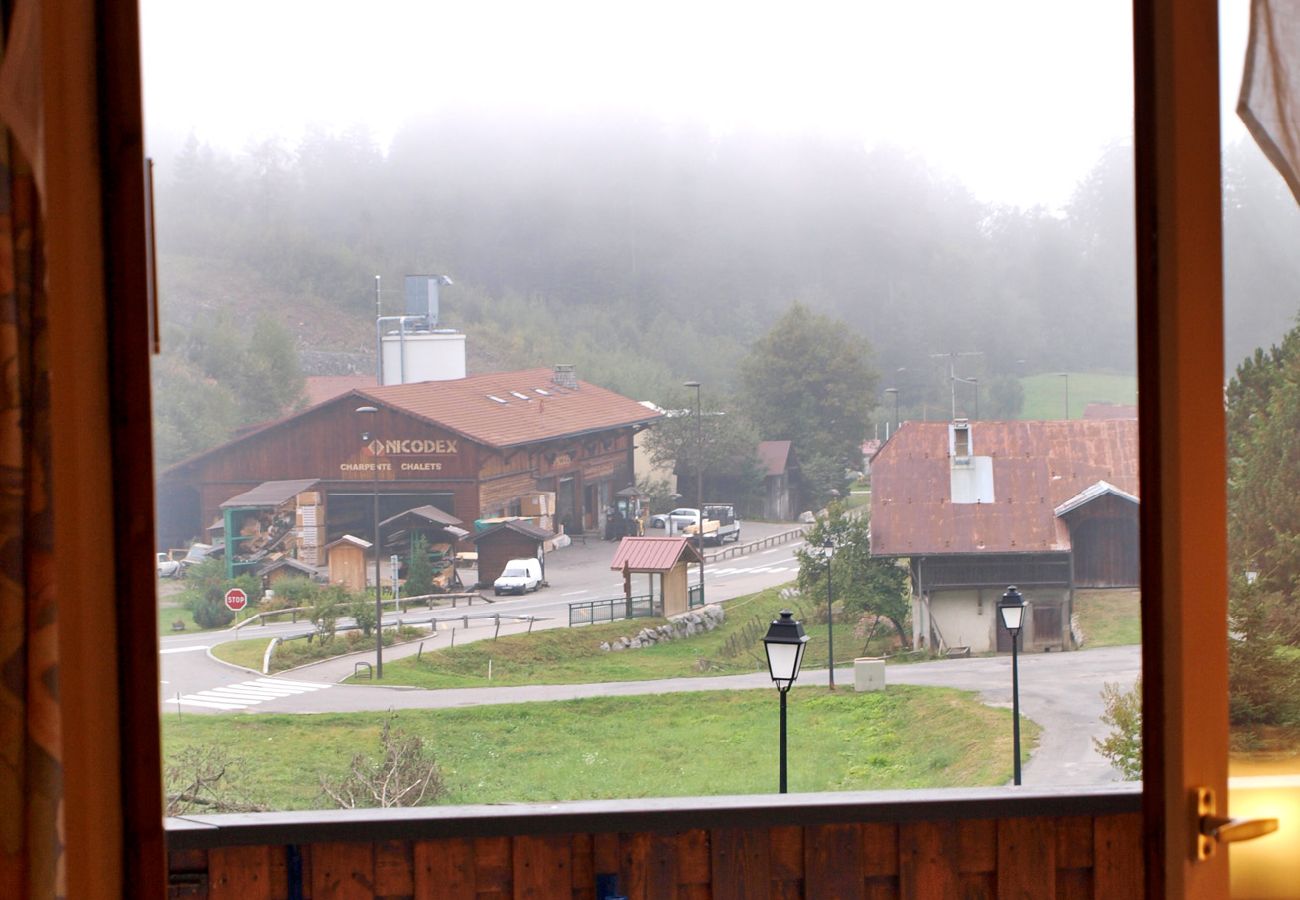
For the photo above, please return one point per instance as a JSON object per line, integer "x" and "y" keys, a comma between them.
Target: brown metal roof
{"x": 527, "y": 529}
{"x": 424, "y": 514}
{"x": 773, "y": 455}
{"x": 1036, "y": 466}
{"x": 653, "y": 554}
{"x": 272, "y": 493}
{"x": 505, "y": 409}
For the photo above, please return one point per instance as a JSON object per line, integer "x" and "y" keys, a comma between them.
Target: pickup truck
{"x": 167, "y": 567}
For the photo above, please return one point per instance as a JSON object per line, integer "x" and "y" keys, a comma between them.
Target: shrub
{"x": 1123, "y": 746}
{"x": 419, "y": 571}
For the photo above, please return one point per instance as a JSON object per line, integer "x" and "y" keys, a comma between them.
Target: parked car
{"x": 520, "y": 576}
{"x": 680, "y": 517}
{"x": 167, "y": 567}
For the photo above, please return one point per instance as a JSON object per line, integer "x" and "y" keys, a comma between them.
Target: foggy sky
{"x": 1017, "y": 99}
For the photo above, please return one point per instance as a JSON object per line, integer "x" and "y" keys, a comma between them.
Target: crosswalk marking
{"x": 752, "y": 570}
{"x": 245, "y": 693}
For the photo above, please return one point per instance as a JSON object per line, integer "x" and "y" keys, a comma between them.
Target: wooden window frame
{"x": 1180, "y": 367}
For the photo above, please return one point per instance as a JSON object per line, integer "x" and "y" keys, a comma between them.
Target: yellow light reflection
{"x": 1267, "y": 867}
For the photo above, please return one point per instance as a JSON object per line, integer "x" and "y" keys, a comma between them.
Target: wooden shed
{"x": 505, "y": 541}
{"x": 667, "y": 557}
{"x": 346, "y": 560}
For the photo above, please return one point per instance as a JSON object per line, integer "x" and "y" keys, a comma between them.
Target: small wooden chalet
{"x": 780, "y": 469}
{"x": 667, "y": 557}
{"x": 504, "y": 541}
{"x": 976, "y": 506}
{"x": 346, "y": 560}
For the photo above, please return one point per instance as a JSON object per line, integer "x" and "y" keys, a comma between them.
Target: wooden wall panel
{"x": 444, "y": 869}
{"x": 928, "y": 860}
{"x": 1067, "y": 858}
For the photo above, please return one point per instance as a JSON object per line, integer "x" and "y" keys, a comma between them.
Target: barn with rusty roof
{"x": 537, "y": 442}
{"x": 976, "y": 506}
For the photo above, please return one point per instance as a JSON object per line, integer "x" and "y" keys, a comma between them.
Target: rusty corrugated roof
{"x": 505, "y": 409}
{"x": 653, "y": 554}
{"x": 1037, "y": 466}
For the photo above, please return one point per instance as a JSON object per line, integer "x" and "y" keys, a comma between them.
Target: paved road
{"x": 575, "y": 573}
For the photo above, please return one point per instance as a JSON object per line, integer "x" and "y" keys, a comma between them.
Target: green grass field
{"x": 686, "y": 744}
{"x": 1045, "y": 394}
{"x": 573, "y": 655}
{"x": 1109, "y": 617}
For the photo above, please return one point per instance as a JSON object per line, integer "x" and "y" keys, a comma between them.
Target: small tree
{"x": 1123, "y": 746}
{"x": 194, "y": 780}
{"x": 419, "y": 571}
{"x": 330, "y": 604}
{"x": 362, "y": 609}
{"x": 861, "y": 583}
{"x": 404, "y": 776}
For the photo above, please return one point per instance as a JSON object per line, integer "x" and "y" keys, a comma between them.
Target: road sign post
{"x": 236, "y": 599}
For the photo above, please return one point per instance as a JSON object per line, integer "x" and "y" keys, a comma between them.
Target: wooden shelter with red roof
{"x": 483, "y": 446}
{"x": 667, "y": 557}
{"x": 977, "y": 506}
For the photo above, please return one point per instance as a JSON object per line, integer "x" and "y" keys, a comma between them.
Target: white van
{"x": 519, "y": 577}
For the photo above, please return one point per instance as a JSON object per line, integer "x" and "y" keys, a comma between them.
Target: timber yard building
{"x": 536, "y": 442}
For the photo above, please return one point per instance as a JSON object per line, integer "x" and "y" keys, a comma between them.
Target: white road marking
{"x": 247, "y": 693}
{"x": 574, "y": 593}
{"x": 185, "y": 649}
{"x": 773, "y": 550}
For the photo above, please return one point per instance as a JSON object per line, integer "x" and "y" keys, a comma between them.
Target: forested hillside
{"x": 646, "y": 254}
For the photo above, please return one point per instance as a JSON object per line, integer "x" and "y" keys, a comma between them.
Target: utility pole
{"x": 953, "y": 377}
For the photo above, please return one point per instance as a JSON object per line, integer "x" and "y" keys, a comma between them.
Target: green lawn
{"x": 246, "y": 652}
{"x": 573, "y": 655}
{"x": 1045, "y": 394}
{"x": 1109, "y": 617}
{"x": 685, "y": 744}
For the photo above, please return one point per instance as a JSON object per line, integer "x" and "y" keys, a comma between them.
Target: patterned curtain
{"x": 31, "y": 789}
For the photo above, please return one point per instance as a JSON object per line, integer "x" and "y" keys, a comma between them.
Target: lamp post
{"x": 1012, "y": 610}
{"x": 894, "y": 391}
{"x": 1066, "y": 377}
{"x": 699, "y": 481}
{"x": 828, "y": 550}
{"x": 784, "y": 642}
{"x": 366, "y": 437}
{"x": 975, "y": 383}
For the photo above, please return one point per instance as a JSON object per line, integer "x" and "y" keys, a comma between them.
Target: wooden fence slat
{"x": 833, "y": 862}
{"x": 1074, "y": 884}
{"x": 1074, "y": 842}
{"x": 740, "y": 864}
{"x": 977, "y": 885}
{"x": 1027, "y": 858}
{"x": 880, "y": 850}
{"x": 785, "y": 855}
{"x": 605, "y": 853}
{"x": 541, "y": 867}
{"x": 632, "y": 877}
{"x": 882, "y": 887}
{"x": 240, "y": 873}
{"x": 1117, "y": 849}
{"x": 394, "y": 865}
{"x": 343, "y": 871}
{"x": 582, "y": 865}
{"x": 661, "y": 868}
{"x": 927, "y": 860}
{"x": 977, "y": 843}
{"x": 492, "y": 869}
{"x": 693, "y": 865}
{"x": 444, "y": 869}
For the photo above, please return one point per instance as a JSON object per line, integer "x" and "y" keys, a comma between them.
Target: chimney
{"x": 564, "y": 376}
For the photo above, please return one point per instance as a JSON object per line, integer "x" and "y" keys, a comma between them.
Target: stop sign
{"x": 236, "y": 599}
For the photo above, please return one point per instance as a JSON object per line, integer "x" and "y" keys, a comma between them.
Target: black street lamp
{"x": 699, "y": 481}
{"x": 1012, "y": 609}
{"x": 366, "y": 437}
{"x": 828, "y": 550}
{"x": 784, "y": 642}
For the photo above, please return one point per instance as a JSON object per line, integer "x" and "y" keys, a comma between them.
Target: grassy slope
{"x": 1045, "y": 394}
{"x": 667, "y": 745}
{"x": 573, "y": 655}
{"x": 1109, "y": 617}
